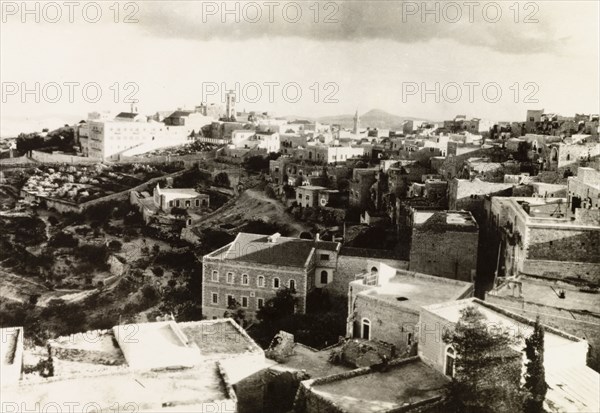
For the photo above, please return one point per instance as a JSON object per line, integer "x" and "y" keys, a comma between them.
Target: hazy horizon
{"x": 366, "y": 57}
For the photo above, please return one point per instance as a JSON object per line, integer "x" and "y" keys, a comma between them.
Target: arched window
{"x": 366, "y": 329}
{"x": 261, "y": 281}
{"x": 292, "y": 285}
{"x": 449, "y": 359}
{"x": 245, "y": 279}
{"x": 275, "y": 282}
{"x": 324, "y": 277}
{"x": 374, "y": 270}
{"x": 230, "y": 277}
{"x": 215, "y": 276}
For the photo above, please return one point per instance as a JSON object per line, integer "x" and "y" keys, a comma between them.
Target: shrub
{"x": 222, "y": 179}
{"x": 63, "y": 240}
{"x": 115, "y": 245}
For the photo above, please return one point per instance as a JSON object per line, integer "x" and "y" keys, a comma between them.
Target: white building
{"x": 131, "y": 134}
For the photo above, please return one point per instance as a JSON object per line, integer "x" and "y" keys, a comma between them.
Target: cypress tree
{"x": 535, "y": 376}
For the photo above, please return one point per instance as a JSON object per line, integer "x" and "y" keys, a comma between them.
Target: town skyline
{"x": 366, "y": 57}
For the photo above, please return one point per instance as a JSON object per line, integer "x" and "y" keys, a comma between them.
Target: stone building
{"x": 253, "y": 267}
{"x": 360, "y": 187}
{"x": 185, "y": 198}
{"x": 151, "y": 367}
{"x": 584, "y": 189}
{"x": 546, "y": 237}
{"x": 444, "y": 243}
{"x": 559, "y": 303}
{"x": 404, "y": 385}
{"x": 572, "y": 385}
{"x": 570, "y": 156}
{"x": 308, "y": 195}
{"x": 469, "y": 195}
{"x": 384, "y": 303}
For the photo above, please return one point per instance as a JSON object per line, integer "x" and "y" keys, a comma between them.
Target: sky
{"x": 492, "y": 60}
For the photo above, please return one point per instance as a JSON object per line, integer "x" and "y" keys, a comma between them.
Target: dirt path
{"x": 260, "y": 196}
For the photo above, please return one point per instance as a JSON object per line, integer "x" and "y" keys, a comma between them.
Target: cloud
{"x": 405, "y": 22}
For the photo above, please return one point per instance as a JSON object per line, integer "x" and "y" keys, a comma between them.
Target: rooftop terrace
{"x": 409, "y": 382}
{"x": 413, "y": 290}
{"x": 185, "y": 389}
{"x": 315, "y": 363}
{"x": 546, "y": 292}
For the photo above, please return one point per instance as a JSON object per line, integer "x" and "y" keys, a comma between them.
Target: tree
{"x": 222, "y": 179}
{"x": 115, "y": 245}
{"x": 256, "y": 163}
{"x": 522, "y": 152}
{"x": 487, "y": 372}
{"x": 177, "y": 211}
{"x": 535, "y": 378}
{"x": 283, "y": 304}
{"x": 235, "y": 311}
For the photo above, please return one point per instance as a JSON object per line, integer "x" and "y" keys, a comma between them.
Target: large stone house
{"x": 253, "y": 267}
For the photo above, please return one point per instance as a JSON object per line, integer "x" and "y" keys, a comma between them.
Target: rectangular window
{"x": 245, "y": 302}
{"x": 324, "y": 257}
{"x": 260, "y": 303}
{"x": 230, "y": 300}
{"x": 215, "y": 298}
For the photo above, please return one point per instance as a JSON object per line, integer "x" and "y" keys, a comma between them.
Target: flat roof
{"x": 311, "y": 187}
{"x": 219, "y": 337}
{"x": 451, "y": 311}
{"x": 314, "y": 362}
{"x": 148, "y": 346}
{"x": 442, "y": 221}
{"x": 142, "y": 392}
{"x": 413, "y": 290}
{"x": 545, "y": 292}
{"x": 407, "y": 383}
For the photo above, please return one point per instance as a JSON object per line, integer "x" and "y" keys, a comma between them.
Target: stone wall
{"x": 431, "y": 344}
{"x": 469, "y": 195}
{"x": 561, "y": 244}
{"x": 447, "y": 254}
{"x": 44, "y": 157}
{"x": 388, "y": 323}
{"x": 237, "y": 290}
{"x": 562, "y": 269}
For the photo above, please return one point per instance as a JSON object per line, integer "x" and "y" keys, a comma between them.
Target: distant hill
{"x": 375, "y": 118}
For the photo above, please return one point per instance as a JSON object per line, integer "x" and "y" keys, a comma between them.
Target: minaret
{"x": 356, "y": 122}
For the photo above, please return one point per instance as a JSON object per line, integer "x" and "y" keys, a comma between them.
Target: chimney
{"x": 317, "y": 237}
